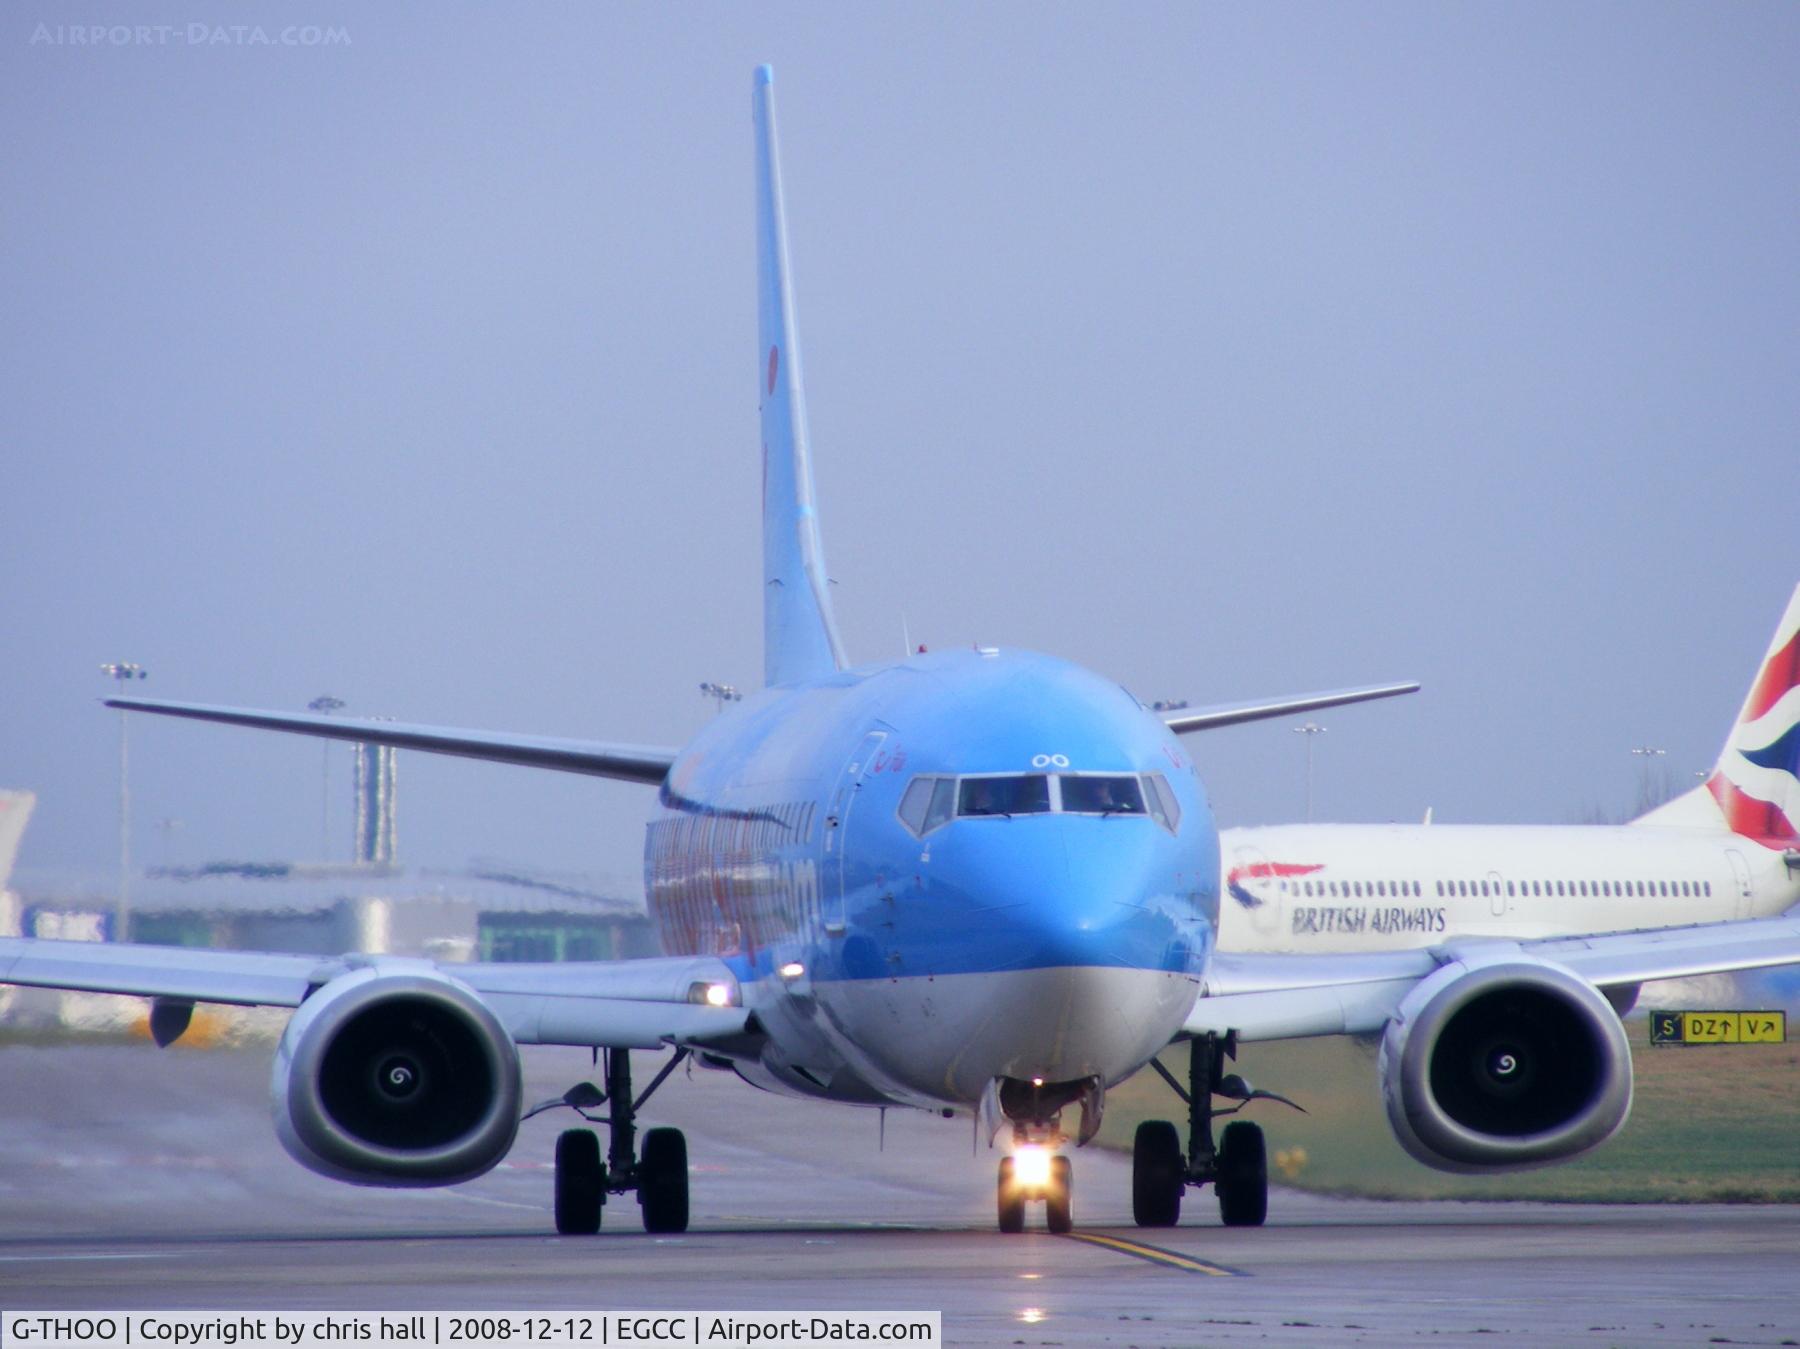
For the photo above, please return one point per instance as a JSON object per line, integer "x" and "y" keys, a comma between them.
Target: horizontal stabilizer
{"x": 629, "y": 763}
{"x": 1181, "y": 720}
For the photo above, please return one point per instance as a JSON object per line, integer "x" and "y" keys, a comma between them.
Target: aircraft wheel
{"x": 580, "y": 1183}
{"x": 1011, "y": 1201}
{"x": 663, "y": 1181}
{"x": 1158, "y": 1174}
{"x": 1243, "y": 1181}
{"x": 1059, "y": 1203}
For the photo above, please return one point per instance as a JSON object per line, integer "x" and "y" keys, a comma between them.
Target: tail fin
{"x": 800, "y": 638}
{"x": 1754, "y": 789}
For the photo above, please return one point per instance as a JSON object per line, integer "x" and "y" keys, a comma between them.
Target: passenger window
{"x": 1025, "y": 795}
{"x": 916, "y": 802}
{"x": 943, "y": 803}
{"x": 1088, "y": 795}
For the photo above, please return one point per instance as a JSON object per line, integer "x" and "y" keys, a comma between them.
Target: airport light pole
{"x": 122, "y": 672}
{"x": 1645, "y": 753}
{"x": 1310, "y": 730}
{"x": 722, "y": 694}
{"x": 325, "y": 705}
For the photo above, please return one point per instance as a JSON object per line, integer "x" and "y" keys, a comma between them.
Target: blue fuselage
{"x": 894, "y": 962}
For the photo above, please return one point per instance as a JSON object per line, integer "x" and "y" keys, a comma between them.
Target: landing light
{"x": 792, "y": 970}
{"x": 712, "y": 995}
{"x": 1031, "y": 1167}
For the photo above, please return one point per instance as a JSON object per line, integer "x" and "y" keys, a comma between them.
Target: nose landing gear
{"x": 1237, "y": 1166}
{"x": 658, "y": 1173}
{"x": 1031, "y": 1174}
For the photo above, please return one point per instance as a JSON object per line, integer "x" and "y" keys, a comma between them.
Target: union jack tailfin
{"x": 1754, "y": 788}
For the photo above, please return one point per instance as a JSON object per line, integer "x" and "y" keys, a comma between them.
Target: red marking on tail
{"x": 1761, "y": 821}
{"x": 1780, "y": 673}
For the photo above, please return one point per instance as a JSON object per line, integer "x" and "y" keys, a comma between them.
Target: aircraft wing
{"x": 1279, "y": 997}
{"x": 1181, "y": 720}
{"x": 630, "y": 763}
{"x": 632, "y": 1004}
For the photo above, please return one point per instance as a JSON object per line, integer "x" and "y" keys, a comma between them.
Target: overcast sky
{"x": 1229, "y": 351}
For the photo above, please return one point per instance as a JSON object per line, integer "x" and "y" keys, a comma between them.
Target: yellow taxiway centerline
{"x": 1155, "y": 1254}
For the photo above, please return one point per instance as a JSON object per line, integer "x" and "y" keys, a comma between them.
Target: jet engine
{"x": 1504, "y": 1064}
{"x": 396, "y": 1075}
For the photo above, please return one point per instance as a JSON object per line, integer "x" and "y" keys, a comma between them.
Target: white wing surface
{"x": 634, "y": 1004}
{"x": 630, "y": 763}
{"x": 1182, "y": 720}
{"x": 1277, "y": 997}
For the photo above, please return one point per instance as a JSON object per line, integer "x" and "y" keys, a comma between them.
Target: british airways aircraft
{"x": 982, "y": 882}
{"x": 1727, "y": 849}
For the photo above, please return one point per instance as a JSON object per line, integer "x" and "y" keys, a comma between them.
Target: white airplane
{"x": 1725, "y": 850}
{"x": 977, "y": 882}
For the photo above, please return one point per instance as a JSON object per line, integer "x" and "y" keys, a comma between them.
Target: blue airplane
{"x": 982, "y": 882}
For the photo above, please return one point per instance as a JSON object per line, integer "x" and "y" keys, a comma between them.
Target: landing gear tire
{"x": 1243, "y": 1180}
{"x": 1059, "y": 1203}
{"x": 580, "y": 1183}
{"x": 1157, "y": 1174}
{"x": 1011, "y": 1200}
{"x": 663, "y": 1181}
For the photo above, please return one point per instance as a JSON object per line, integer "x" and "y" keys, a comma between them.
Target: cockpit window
{"x": 943, "y": 803}
{"x": 1163, "y": 804}
{"x": 928, "y": 802}
{"x": 1093, "y": 795}
{"x": 1027, "y": 794}
{"x": 916, "y": 803}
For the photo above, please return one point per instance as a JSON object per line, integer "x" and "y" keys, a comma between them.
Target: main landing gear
{"x": 658, "y": 1173}
{"x": 1237, "y": 1166}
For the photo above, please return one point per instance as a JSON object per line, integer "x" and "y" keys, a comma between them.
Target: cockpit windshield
{"x": 1094, "y": 795}
{"x": 931, "y": 800}
{"x": 1027, "y": 794}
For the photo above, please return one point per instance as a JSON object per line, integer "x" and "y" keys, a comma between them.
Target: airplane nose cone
{"x": 1073, "y": 960}
{"x": 1093, "y": 897}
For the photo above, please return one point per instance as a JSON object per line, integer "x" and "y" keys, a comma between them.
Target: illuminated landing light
{"x": 1037, "y": 1081}
{"x": 792, "y": 970}
{"x": 713, "y": 995}
{"x": 1031, "y": 1315}
{"x": 1031, "y": 1167}
{"x": 1031, "y": 1276}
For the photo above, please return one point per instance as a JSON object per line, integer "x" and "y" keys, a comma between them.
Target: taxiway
{"x": 137, "y": 1178}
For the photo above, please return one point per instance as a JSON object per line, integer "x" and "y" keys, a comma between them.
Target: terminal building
{"x": 489, "y": 910}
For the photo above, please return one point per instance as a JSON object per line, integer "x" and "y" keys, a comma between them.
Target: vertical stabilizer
{"x": 1754, "y": 789}
{"x": 800, "y": 639}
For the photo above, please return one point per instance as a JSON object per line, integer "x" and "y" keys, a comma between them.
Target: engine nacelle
{"x": 396, "y": 1075}
{"x": 1504, "y": 1064}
